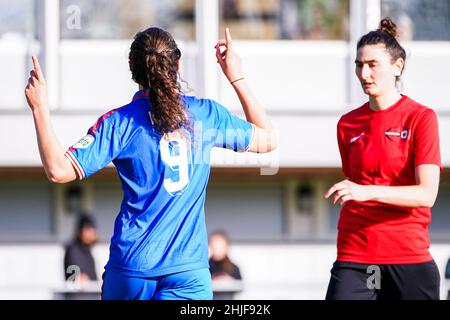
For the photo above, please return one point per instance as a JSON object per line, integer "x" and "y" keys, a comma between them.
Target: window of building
{"x": 18, "y": 19}
{"x": 440, "y": 222}
{"x": 107, "y": 201}
{"x": 421, "y": 20}
{"x": 245, "y": 212}
{"x": 25, "y": 211}
{"x": 118, "y": 19}
{"x": 286, "y": 19}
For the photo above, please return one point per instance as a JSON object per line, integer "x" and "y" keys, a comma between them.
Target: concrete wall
{"x": 305, "y": 86}
{"x": 270, "y": 271}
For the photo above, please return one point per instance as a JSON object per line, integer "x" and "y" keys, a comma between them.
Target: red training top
{"x": 383, "y": 148}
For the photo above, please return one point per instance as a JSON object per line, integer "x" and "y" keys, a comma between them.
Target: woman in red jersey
{"x": 391, "y": 160}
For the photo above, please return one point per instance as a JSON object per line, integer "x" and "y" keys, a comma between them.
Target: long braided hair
{"x": 153, "y": 59}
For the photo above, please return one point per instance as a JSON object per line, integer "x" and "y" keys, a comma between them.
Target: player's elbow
{"x": 61, "y": 172}
{"x": 429, "y": 201}
{"x": 269, "y": 142}
{"x": 273, "y": 141}
{"x": 56, "y": 179}
{"x": 59, "y": 176}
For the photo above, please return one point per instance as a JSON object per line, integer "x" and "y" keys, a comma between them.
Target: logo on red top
{"x": 357, "y": 137}
{"x": 395, "y": 134}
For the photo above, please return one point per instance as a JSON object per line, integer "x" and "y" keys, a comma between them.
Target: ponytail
{"x": 153, "y": 60}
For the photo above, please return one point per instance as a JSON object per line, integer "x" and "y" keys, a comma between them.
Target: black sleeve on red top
{"x": 426, "y": 139}
{"x": 342, "y": 150}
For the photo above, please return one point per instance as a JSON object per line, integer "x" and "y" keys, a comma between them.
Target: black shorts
{"x": 356, "y": 281}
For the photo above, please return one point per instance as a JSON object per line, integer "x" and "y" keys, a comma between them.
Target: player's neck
{"x": 385, "y": 101}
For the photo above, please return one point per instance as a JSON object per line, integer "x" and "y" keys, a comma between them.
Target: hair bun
{"x": 151, "y": 51}
{"x": 389, "y": 27}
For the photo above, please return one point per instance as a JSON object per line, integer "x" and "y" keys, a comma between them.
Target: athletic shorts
{"x": 187, "y": 285}
{"x": 355, "y": 281}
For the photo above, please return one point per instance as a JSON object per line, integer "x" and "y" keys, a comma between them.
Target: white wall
{"x": 14, "y": 68}
{"x": 300, "y": 271}
{"x": 305, "y": 86}
{"x": 281, "y": 271}
{"x": 237, "y": 207}
{"x": 304, "y": 140}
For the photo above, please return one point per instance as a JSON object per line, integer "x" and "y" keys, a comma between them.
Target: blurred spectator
{"x": 323, "y": 19}
{"x": 225, "y": 274}
{"x": 288, "y": 20}
{"x": 405, "y": 27}
{"x": 221, "y": 267}
{"x": 79, "y": 264}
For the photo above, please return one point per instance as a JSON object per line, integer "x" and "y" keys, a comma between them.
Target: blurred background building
{"x": 298, "y": 57}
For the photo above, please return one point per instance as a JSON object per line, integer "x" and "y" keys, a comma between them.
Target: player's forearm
{"x": 254, "y": 112}
{"x": 50, "y": 150}
{"x": 405, "y": 196}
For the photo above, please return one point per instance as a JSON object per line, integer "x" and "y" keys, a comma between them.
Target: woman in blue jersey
{"x": 160, "y": 144}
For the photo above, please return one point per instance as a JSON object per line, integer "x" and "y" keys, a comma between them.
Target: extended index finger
{"x": 37, "y": 67}
{"x": 228, "y": 36}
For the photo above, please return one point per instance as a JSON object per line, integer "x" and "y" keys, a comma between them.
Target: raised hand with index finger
{"x": 36, "y": 89}
{"x": 229, "y": 61}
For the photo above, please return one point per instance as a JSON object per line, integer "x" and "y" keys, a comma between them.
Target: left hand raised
{"x": 36, "y": 89}
{"x": 346, "y": 190}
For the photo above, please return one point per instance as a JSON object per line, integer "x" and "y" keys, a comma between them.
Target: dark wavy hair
{"x": 153, "y": 60}
{"x": 385, "y": 34}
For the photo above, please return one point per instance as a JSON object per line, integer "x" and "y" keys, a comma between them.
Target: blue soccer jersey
{"x": 160, "y": 228}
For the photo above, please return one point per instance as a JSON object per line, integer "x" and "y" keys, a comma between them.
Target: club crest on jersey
{"x": 84, "y": 142}
{"x": 395, "y": 134}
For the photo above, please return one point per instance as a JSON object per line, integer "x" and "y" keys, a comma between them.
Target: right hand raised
{"x": 229, "y": 61}
{"x": 36, "y": 90}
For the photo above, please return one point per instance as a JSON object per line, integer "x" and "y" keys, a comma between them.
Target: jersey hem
{"x": 157, "y": 272}
{"x": 422, "y": 259}
{"x": 420, "y": 163}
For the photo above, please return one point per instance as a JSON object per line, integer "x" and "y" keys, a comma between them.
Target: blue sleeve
{"x": 96, "y": 150}
{"x": 232, "y": 132}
